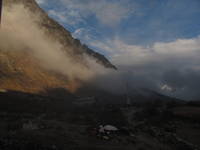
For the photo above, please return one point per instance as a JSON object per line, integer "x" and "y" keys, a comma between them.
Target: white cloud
{"x": 166, "y": 87}
{"x": 41, "y": 2}
{"x": 48, "y": 53}
{"x": 107, "y": 12}
{"x": 175, "y": 64}
{"x": 59, "y": 15}
{"x": 82, "y": 33}
{"x": 69, "y": 17}
{"x": 126, "y": 54}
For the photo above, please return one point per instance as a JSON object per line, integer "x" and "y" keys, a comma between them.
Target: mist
{"x": 21, "y": 32}
{"x": 138, "y": 67}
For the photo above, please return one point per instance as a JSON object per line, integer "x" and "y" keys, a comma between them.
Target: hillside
{"x": 33, "y": 47}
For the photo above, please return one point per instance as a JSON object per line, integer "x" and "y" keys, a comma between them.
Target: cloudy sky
{"x": 157, "y": 42}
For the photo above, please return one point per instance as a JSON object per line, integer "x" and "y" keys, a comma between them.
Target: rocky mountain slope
{"x": 59, "y": 33}
{"x": 21, "y": 71}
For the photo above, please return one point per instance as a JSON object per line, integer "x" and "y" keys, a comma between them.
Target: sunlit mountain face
{"x": 154, "y": 43}
{"x": 37, "y": 53}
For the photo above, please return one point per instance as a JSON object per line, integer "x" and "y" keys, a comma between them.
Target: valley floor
{"x": 33, "y": 122}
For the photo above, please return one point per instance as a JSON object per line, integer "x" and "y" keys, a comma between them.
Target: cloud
{"x": 168, "y": 67}
{"x": 83, "y": 34}
{"x": 14, "y": 36}
{"x": 59, "y": 15}
{"x": 41, "y": 2}
{"x": 109, "y": 13}
{"x": 69, "y": 17}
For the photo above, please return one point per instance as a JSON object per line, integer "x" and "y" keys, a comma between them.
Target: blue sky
{"x": 156, "y": 41}
{"x": 142, "y": 22}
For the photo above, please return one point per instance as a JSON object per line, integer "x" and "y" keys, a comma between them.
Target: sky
{"x": 156, "y": 42}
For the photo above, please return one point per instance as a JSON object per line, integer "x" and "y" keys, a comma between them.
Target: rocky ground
{"x": 34, "y": 122}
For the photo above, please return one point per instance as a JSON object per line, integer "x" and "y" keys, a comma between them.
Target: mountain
{"x": 59, "y": 33}
{"x": 21, "y": 67}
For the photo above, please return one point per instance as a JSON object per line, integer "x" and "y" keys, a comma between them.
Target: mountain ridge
{"x": 21, "y": 72}
{"x": 58, "y": 32}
